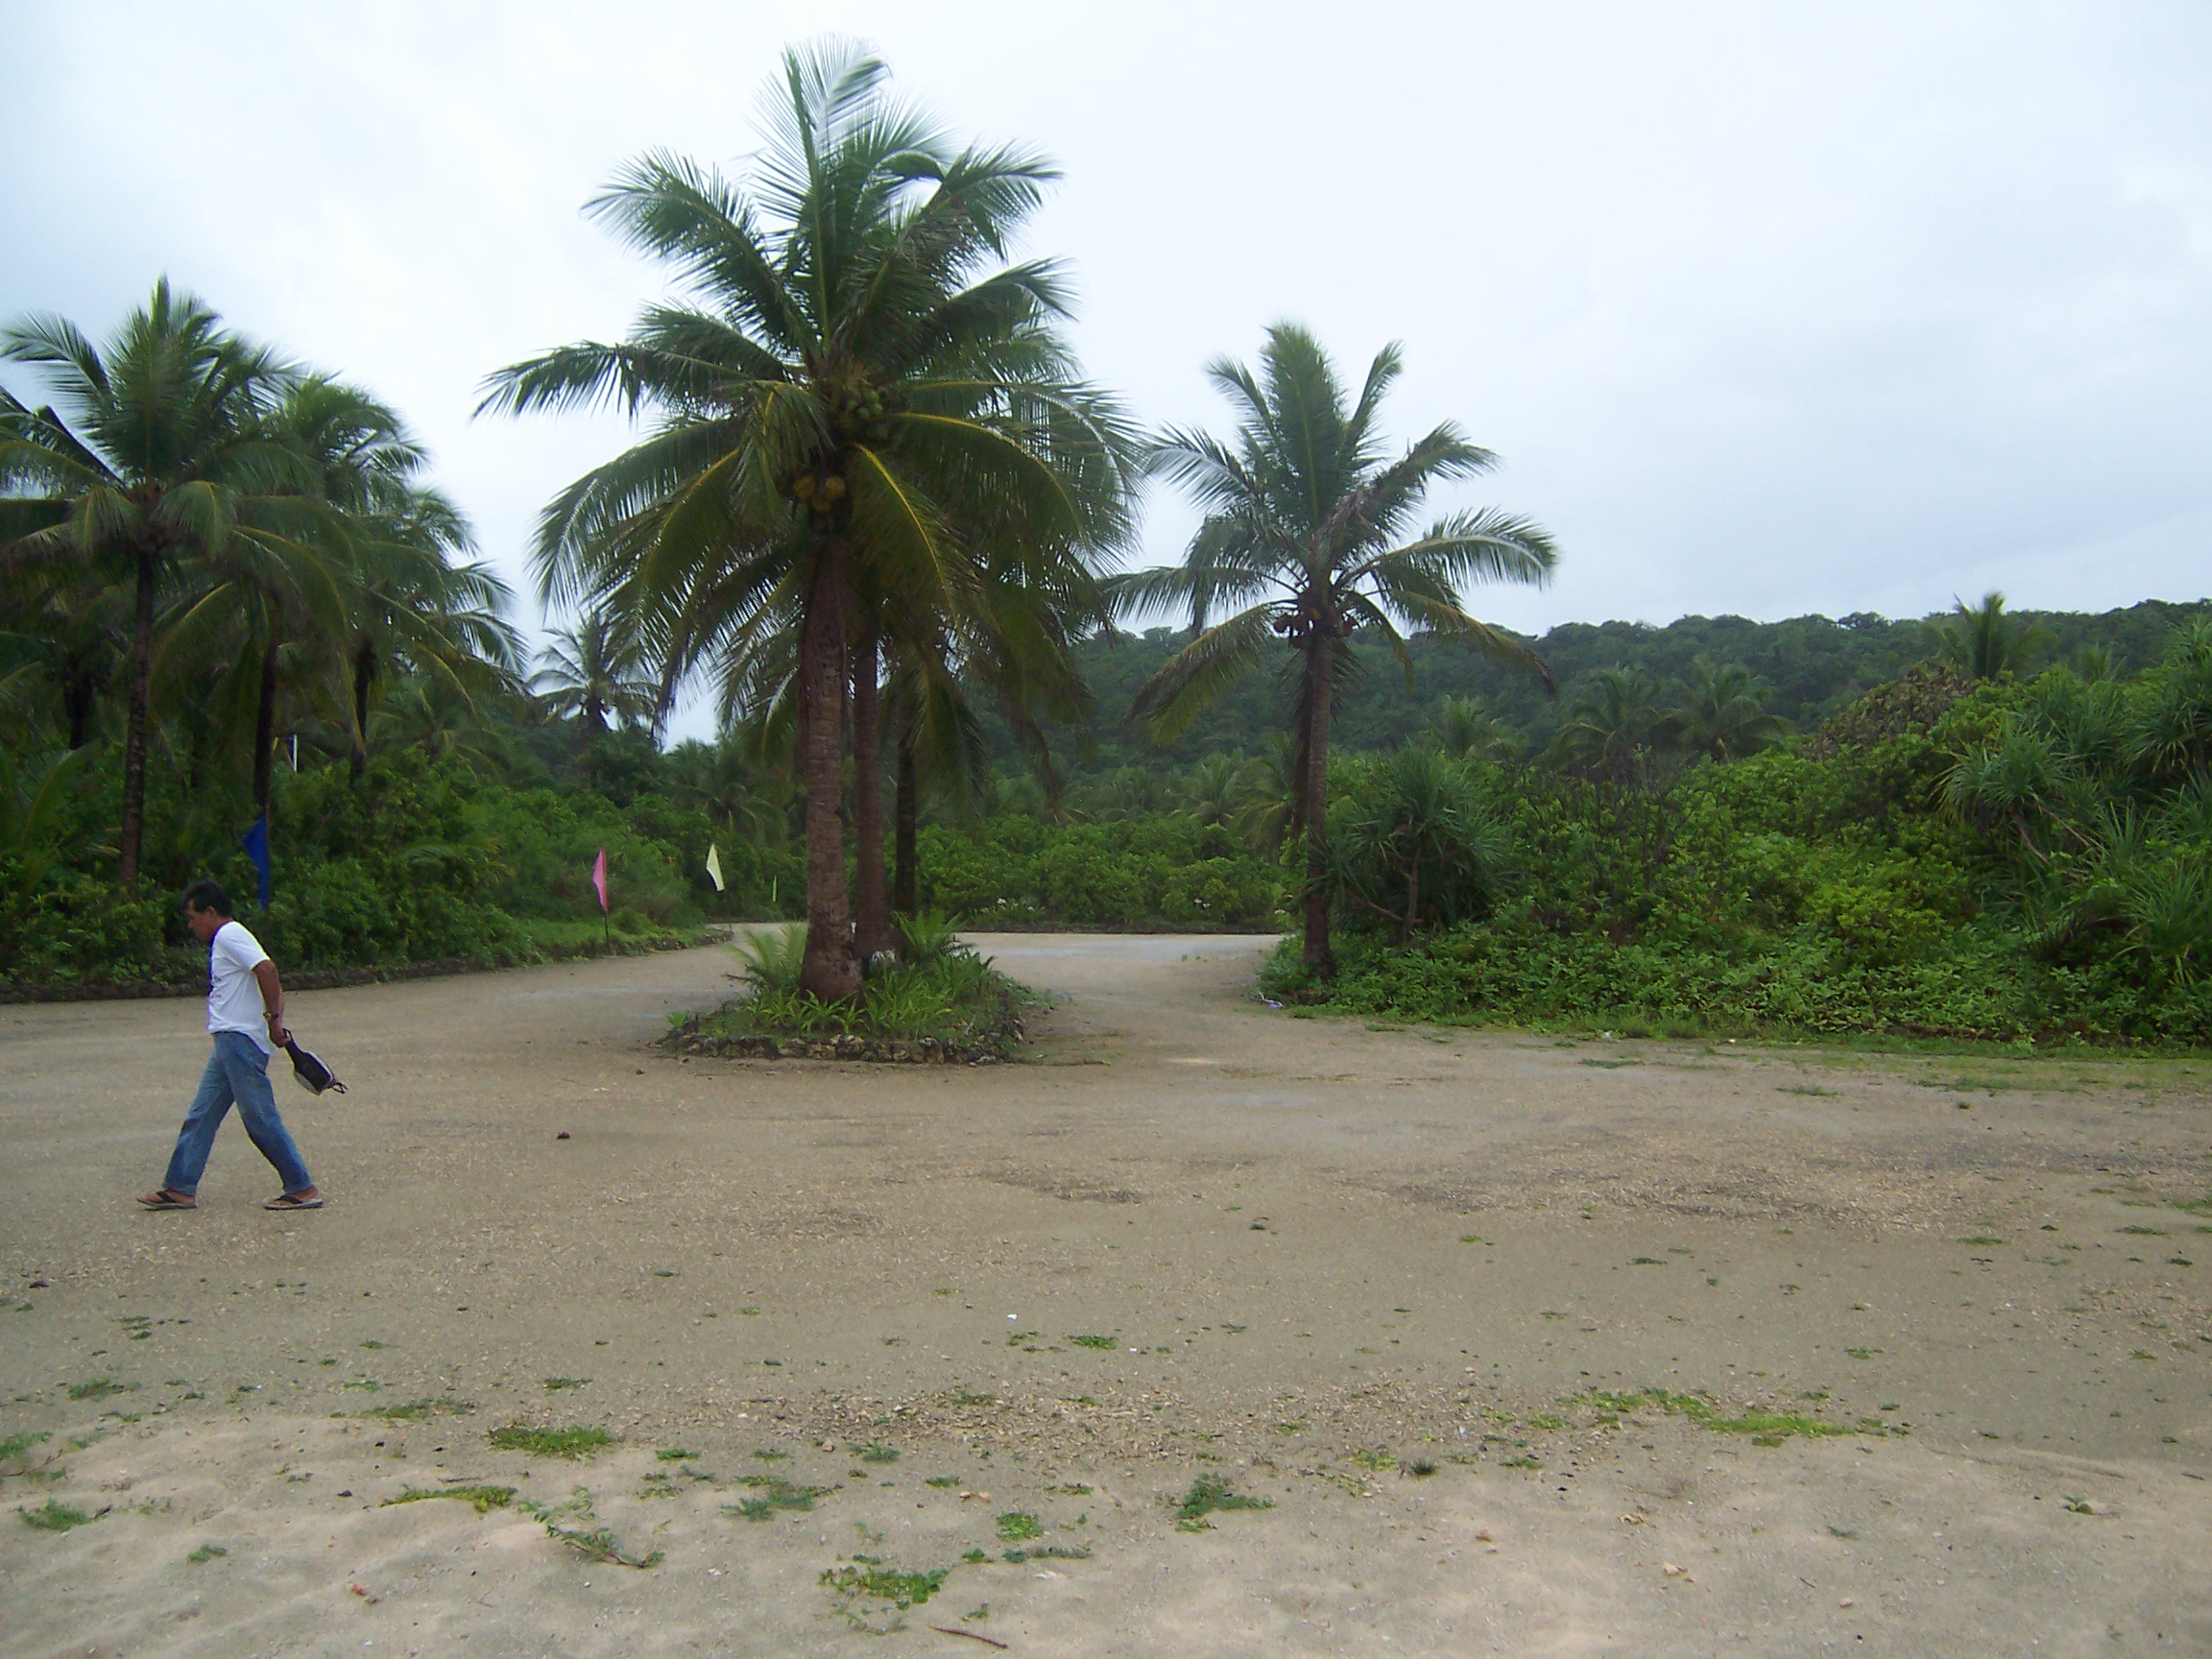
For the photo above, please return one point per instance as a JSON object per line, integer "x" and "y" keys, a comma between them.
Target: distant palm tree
{"x": 590, "y": 671}
{"x": 1463, "y": 729}
{"x": 1720, "y": 713}
{"x": 1214, "y": 791}
{"x": 1610, "y": 726}
{"x": 161, "y": 452}
{"x": 1306, "y": 515}
{"x": 1984, "y": 643}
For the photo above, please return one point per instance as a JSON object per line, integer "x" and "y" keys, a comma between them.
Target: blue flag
{"x": 256, "y": 845}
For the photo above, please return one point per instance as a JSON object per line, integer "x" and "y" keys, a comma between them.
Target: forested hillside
{"x": 1810, "y": 667}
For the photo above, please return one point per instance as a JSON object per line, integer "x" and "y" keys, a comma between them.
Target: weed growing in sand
{"x": 1049, "y": 1553}
{"x": 673, "y": 1455}
{"x": 555, "y": 1385}
{"x": 16, "y": 1445}
{"x": 1982, "y": 1240}
{"x": 2143, "y": 1232}
{"x": 551, "y": 1442}
{"x": 964, "y": 1396}
{"x": 774, "y": 1493}
{"x": 416, "y": 1410}
{"x": 598, "y": 1545}
{"x": 1103, "y": 1344}
{"x": 57, "y": 1517}
{"x": 871, "y": 1452}
{"x": 1208, "y": 1494}
{"x": 1375, "y": 1462}
{"x": 482, "y": 1499}
{"x": 205, "y": 1554}
{"x": 1766, "y": 1428}
{"x": 1018, "y": 1525}
{"x": 99, "y": 1389}
{"x": 871, "y": 1582}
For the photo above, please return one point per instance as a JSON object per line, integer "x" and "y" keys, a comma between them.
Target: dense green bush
{"x": 1016, "y": 871}
{"x": 2036, "y": 864}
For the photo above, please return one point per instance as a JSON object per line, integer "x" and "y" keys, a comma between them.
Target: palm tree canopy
{"x": 1721, "y": 713}
{"x": 851, "y": 353}
{"x": 1985, "y": 644}
{"x": 1311, "y": 524}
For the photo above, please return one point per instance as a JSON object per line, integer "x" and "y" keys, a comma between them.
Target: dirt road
{"x": 1528, "y": 1346}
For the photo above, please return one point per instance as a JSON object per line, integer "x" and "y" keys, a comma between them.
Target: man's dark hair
{"x": 208, "y": 896}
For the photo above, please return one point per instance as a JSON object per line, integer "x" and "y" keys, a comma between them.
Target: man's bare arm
{"x": 273, "y": 1000}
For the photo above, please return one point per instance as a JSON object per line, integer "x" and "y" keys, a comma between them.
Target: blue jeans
{"x": 238, "y": 1073}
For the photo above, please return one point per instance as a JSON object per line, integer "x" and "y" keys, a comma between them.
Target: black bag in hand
{"x": 309, "y": 1072}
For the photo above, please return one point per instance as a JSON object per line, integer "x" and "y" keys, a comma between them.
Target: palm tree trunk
{"x": 265, "y": 726}
{"x": 906, "y": 810}
{"x": 364, "y": 676}
{"x": 1320, "y": 647}
{"x": 829, "y": 968}
{"x": 872, "y": 932}
{"x": 135, "y": 726}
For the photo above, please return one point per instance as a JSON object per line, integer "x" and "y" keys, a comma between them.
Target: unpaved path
{"x": 1327, "y": 1257}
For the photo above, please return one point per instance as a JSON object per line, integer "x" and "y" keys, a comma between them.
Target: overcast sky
{"x": 1768, "y": 309}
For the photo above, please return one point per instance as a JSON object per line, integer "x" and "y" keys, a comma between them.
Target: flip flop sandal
{"x": 285, "y": 1201}
{"x": 168, "y": 1200}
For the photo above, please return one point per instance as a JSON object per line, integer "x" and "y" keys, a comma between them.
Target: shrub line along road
{"x": 1327, "y": 1257}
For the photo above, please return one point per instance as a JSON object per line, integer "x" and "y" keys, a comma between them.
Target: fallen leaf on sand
{"x": 1631, "y": 1520}
{"x": 1482, "y": 1535}
{"x": 1673, "y": 1571}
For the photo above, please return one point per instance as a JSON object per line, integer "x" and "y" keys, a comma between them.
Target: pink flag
{"x": 599, "y": 878}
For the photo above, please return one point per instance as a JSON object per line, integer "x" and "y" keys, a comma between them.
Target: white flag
{"x": 715, "y": 865}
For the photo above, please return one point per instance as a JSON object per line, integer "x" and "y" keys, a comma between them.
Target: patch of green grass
{"x": 1766, "y": 1428}
{"x": 206, "y": 1552}
{"x": 551, "y": 1442}
{"x": 99, "y": 1389}
{"x": 973, "y": 1557}
{"x": 416, "y": 1410}
{"x": 16, "y": 1445}
{"x": 871, "y": 1452}
{"x": 1609, "y": 1065}
{"x": 2144, "y": 1232}
{"x": 57, "y": 1517}
{"x": 1103, "y": 1344}
{"x": 1804, "y": 1088}
{"x": 875, "y": 1582}
{"x": 1018, "y": 1525}
{"x": 1547, "y": 1420}
{"x": 1210, "y": 1493}
{"x": 1646, "y": 1261}
{"x": 964, "y": 1396}
{"x": 769, "y": 1454}
{"x": 941, "y": 1481}
{"x": 555, "y": 1385}
{"x": 773, "y": 1494}
{"x": 482, "y": 1499}
{"x": 1982, "y": 1239}
{"x": 1862, "y": 1352}
{"x": 673, "y": 1455}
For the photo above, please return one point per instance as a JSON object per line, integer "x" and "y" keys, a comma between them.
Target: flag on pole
{"x": 714, "y": 866}
{"x": 257, "y": 844}
{"x": 599, "y": 878}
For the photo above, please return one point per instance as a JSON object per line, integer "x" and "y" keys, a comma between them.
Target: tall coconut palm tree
{"x": 157, "y": 450}
{"x": 858, "y": 404}
{"x": 1305, "y": 539}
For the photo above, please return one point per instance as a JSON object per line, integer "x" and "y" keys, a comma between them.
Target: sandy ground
{"x": 1384, "y": 1280}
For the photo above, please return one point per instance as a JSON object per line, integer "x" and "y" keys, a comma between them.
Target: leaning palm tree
{"x": 159, "y": 452}
{"x": 859, "y": 407}
{"x": 1306, "y": 518}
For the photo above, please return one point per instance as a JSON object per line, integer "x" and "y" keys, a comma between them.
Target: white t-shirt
{"x": 233, "y": 994}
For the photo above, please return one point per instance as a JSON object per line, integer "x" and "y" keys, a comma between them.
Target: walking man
{"x": 246, "y": 1017}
